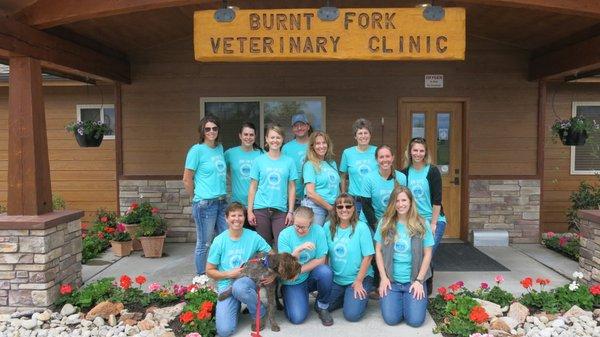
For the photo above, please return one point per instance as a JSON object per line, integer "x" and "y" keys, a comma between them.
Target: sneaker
{"x": 324, "y": 316}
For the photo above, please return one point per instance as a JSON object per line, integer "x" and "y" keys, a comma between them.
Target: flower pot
{"x": 132, "y": 229}
{"x": 574, "y": 138}
{"x": 88, "y": 140}
{"x": 121, "y": 248}
{"x": 153, "y": 245}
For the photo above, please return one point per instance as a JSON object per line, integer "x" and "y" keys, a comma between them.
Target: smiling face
{"x": 402, "y": 204}
{"x": 211, "y": 131}
{"x": 344, "y": 210}
{"x": 300, "y": 129}
{"x": 235, "y": 219}
{"x": 247, "y": 136}
{"x": 363, "y": 136}
{"x": 321, "y": 146}
{"x": 302, "y": 225}
{"x": 417, "y": 153}
{"x": 385, "y": 158}
{"x": 274, "y": 139}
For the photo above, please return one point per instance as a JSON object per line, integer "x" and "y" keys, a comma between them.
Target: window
{"x": 98, "y": 112}
{"x": 261, "y": 111}
{"x": 585, "y": 159}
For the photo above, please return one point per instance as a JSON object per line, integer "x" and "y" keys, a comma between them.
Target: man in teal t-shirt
{"x": 296, "y": 149}
{"x": 240, "y": 164}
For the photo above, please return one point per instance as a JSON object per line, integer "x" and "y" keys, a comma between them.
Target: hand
{"x": 268, "y": 279}
{"x": 359, "y": 290}
{"x": 235, "y": 272}
{"x": 433, "y": 228}
{"x": 251, "y": 218}
{"x": 384, "y": 286}
{"x": 289, "y": 219}
{"x": 416, "y": 288}
{"x": 305, "y": 246}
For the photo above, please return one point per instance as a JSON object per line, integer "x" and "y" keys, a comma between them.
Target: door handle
{"x": 456, "y": 181}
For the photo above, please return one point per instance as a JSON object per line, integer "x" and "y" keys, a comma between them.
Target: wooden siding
{"x": 558, "y": 182}
{"x": 84, "y": 177}
{"x": 161, "y": 107}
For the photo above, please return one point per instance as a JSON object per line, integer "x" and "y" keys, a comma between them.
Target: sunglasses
{"x": 344, "y": 206}
{"x": 208, "y": 128}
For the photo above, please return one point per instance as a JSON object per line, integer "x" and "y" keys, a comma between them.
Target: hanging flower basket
{"x": 573, "y": 138}
{"x": 88, "y": 133}
{"x": 573, "y": 131}
{"x": 88, "y": 140}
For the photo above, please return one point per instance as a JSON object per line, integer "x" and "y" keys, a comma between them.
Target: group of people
{"x": 360, "y": 230}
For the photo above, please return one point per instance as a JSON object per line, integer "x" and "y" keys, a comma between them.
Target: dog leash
{"x": 256, "y": 332}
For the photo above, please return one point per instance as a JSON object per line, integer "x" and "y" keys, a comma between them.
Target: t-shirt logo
{"x": 235, "y": 261}
{"x": 340, "y": 249}
{"x": 219, "y": 164}
{"x": 331, "y": 177}
{"x": 245, "y": 169}
{"x": 274, "y": 178}
{"x": 364, "y": 169}
{"x": 401, "y": 246}
{"x": 304, "y": 257}
{"x": 386, "y": 198}
{"x": 417, "y": 190}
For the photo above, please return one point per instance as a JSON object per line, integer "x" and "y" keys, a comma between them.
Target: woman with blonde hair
{"x": 403, "y": 252}
{"x": 272, "y": 188}
{"x": 321, "y": 178}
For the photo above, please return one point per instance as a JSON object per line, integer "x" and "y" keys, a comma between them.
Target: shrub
{"x": 2, "y": 209}
{"x": 567, "y": 244}
{"x": 198, "y": 313}
{"x": 58, "y": 203}
{"x": 135, "y": 213}
{"x": 587, "y": 196}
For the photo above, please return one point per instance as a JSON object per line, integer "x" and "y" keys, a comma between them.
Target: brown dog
{"x": 284, "y": 266}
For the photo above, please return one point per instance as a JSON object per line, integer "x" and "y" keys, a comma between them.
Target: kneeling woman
{"x": 228, "y": 252}
{"x": 403, "y": 251}
{"x": 307, "y": 242}
{"x": 350, "y": 254}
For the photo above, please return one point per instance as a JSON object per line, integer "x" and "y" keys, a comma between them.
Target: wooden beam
{"x": 579, "y": 57}
{"x": 29, "y": 191}
{"x": 60, "y": 54}
{"x": 588, "y": 8}
{"x": 49, "y": 13}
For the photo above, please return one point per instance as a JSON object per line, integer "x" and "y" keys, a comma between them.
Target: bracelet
{"x": 420, "y": 281}
{"x": 290, "y": 212}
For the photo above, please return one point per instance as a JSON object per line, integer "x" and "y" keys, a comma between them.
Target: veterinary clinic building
{"x": 483, "y": 85}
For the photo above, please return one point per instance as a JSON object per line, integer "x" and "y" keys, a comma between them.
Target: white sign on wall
{"x": 434, "y": 81}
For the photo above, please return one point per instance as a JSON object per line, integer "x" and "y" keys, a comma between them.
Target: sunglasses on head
{"x": 208, "y": 128}
{"x": 344, "y": 206}
{"x": 418, "y": 140}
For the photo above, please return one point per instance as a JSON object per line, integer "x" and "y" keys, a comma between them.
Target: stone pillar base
{"x": 37, "y": 255}
{"x": 589, "y": 251}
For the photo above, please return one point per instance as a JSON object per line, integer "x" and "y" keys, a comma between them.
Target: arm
{"x": 314, "y": 196}
{"x": 384, "y": 283}
{"x": 312, "y": 264}
{"x": 367, "y": 208}
{"x": 343, "y": 181}
{"x": 435, "y": 187}
{"x": 214, "y": 273}
{"x": 251, "y": 195}
{"x": 417, "y": 287}
{"x": 359, "y": 290}
{"x": 289, "y": 218}
{"x": 188, "y": 181}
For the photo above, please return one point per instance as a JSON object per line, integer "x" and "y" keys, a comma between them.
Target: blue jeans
{"x": 439, "y": 234}
{"x": 319, "y": 212}
{"x": 343, "y": 296}
{"x": 295, "y": 297}
{"x": 209, "y": 216}
{"x": 243, "y": 290}
{"x": 399, "y": 304}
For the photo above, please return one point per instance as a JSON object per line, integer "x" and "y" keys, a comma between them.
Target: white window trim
{"x": 261, "y": 100}
{"x": 96, "y": 106}
{"x": 573, "y": 114}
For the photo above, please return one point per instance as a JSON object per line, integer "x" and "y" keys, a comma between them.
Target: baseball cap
{"x": 299, "y": 118}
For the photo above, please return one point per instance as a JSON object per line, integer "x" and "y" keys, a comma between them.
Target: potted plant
{"x": 121, "y": 241}
{"x": 573, "y": 131}
{"x": 88, "y": 133}
{"x": 151, "y": 233}
{"x": 132, "y": 218}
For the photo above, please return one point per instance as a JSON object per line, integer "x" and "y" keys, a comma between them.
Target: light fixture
{"x": 225, "y": 13}
{"x": 328, "y": 13}
{"x": 432, "y": 12}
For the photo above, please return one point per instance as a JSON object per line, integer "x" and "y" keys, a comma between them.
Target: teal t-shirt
{"x": 347, "y": 250}
{"x": 240, "y": 164}
{"x": 210, "y": 171}
{"x": 297, "y": 152}
{"x": 327, "y": 180}
{"x": 379, "y": 189}
{"x": 289, "y": 240}
{"x": 272, "y": 177}
{"x": 419, "y": 186}
{"x": 358, "y": 165}
{"x": 402, "y": 250}
{"x": 227, "y": 254}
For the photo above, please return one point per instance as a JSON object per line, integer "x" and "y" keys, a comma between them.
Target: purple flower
{"x": 80, "y": 131}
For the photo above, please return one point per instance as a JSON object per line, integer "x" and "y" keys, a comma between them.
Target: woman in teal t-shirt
{"x": 350, "y": 254}
{"x": 403, "y": 252}
{"x": 321, "y": 178}
{"x": 204, "y": 179}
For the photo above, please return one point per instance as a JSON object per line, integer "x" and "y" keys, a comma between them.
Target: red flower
{"x": 104, "y": 219}
{"x": 186, "y": 317}
{"x": 84, "y": 225}
{"x": 542, "y": 281}
{"x": 140, "y": 279}
{"x": 550, "y": 235}
{"x": 83, "y": 235}
{"x": 202, "y": 315}
{"x": 207, "y": 306}
{"x": 527, "y": 282}
{"x": 455, "y": 287}
{"x": 125, "y": 282}
{"x": 66, "y": 289}
{"x": 100, "y": 235}
{"x": 442, "y": 291}
{"x": 449, "y": 297}
{"x": 478, "y": 315}
{"x": 563, "y": 241}
{"x": 154, "y": 210}
{"x": 134, "y": 205}
{"x": 595, "y": 290}
{"x": 109, "y": 230}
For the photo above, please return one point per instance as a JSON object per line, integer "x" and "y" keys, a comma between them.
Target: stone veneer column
{"x": 37, "y": 255}
{"x": 512, "y": 205}
{"x": 589, "y": 252}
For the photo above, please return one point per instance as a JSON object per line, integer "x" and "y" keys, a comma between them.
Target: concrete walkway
{"x": 178, "y": 267}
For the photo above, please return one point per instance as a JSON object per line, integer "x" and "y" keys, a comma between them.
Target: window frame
{"x": 261, "y": 103}
{"x": 79, "y": 107}
{"x": 574, "y": 107}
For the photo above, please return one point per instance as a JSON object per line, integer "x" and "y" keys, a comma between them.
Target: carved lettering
{"x": 214, "y": 43}
{"x": 438, "y": 44}
{"x": 414, "y": 44}
{"x": 372, "y": 41}
{"x": 348, "y": 19}
{"x": 254, "y": 21}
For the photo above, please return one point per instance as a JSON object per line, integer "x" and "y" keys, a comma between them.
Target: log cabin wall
{"x": 558, "y": 182}
{"x": 84, "y": 177}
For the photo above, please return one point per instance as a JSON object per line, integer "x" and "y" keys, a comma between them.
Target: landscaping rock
{"x": 498, "y": 324}
{"x": 104, "y": 309}
{"x": 167, "y": 314}
{"x": 499, "y": 333}
{"x": 518, "y": 312}
{"x": 99, "y": 321}
{"x": 29, "y": 324}
{"x": 67, "y": 309}
{"x": 492, "y": 309}
{"x": 44, "y": 316}
{"x": 112, "y": 320}
{"x": 146, "y": 324}
{"x": 511, "y": 322}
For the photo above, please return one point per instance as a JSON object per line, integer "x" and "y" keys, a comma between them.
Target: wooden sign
{"x": 357, "y": 34}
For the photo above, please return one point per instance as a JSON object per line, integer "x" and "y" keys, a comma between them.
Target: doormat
{"x": 464, "y": 257}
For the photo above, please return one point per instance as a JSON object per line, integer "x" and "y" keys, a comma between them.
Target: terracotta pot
{"x": 153, "y": 245}
{"x": 131, "y": 229}
{"x": 121, "y": 248}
